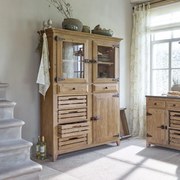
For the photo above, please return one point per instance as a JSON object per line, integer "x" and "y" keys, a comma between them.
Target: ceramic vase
{"x": 72, "y": 24}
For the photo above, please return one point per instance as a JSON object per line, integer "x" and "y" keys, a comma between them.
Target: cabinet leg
{"x": 148, "y": 145}
{"x": 54, "y": 158}
{"x": 118, "y": 142}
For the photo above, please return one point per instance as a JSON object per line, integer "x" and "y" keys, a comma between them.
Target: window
{"x": 165, "y": 49}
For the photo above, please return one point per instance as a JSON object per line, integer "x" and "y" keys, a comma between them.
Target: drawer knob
{"x": 174, "y": 105}
{"x": 106, "y": 88}
{"x": 155, "y": 104}
{"x": 73, "y": 88}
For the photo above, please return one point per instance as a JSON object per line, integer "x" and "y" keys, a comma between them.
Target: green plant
{"x": 62, "y": 6}
{"x": 176, "y": 81}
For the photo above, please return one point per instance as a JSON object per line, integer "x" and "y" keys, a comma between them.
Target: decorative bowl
{"x": 104, "y": 32}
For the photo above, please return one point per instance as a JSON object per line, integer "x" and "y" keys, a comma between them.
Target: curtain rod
{"x": 156, "y": 3}
{"x": 162, "y": 2}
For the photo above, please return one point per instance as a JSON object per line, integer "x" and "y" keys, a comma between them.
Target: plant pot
{"x": 175, "y": 87}
{"x": 72, "y": 24}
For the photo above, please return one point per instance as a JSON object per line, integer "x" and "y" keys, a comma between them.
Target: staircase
{"x": 15, "y": 162}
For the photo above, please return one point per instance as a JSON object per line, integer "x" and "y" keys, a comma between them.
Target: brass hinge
{"x": 115, "y": 79}
{"x": 115, "y": 95}
{"x": 148, "y": 135}
{"x": 116, "y": 46}
{"x": 148, "y": 114}
{"x": 117, "y": 135}
{"x": 57, "y": 79}
{"x": 57, "y": 38}
{"x": 90, "y": 61}
{"x": 93, "y": 61}
{"x": 86, "y": 60}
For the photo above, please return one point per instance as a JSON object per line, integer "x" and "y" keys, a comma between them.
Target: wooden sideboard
{"x": 163, "y": 121}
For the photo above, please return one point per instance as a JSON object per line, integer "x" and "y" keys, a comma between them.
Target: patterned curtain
{"x": 139, "y": 71}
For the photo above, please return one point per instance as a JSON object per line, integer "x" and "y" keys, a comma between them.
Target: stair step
{"x": 21, "y": 171}
{"x": 10, "y": 129}
{"x": 6, "y": 146}
{"x": 14, "y": 152}
{"x": 6, "y": 103}
{"x": 6, "y": 109}
{"x": 11, "y": 123}
{"x": 3, "y": 87}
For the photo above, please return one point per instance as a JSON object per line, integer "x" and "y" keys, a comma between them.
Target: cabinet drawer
{"x": 73, "y": 135}
{"x": 173, "y": 104}
{"x": 174, "y": 138}
{"x": 72, "y": 89}
{"x": 105, "y": 87}
{"x": 156, "y": 103}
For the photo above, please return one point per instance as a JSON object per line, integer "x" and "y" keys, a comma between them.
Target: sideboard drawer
{"x": 173, "y": 104}
{"x": 156, "y": 103}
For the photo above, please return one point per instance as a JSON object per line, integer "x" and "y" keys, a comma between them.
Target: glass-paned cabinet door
{"x": 105, "y": 68}
{"x": 72, "y": 65}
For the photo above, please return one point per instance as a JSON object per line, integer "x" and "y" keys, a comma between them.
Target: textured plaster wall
{"x": 19, "y": 22}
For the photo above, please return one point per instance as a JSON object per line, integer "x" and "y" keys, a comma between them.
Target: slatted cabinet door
{"x": 72, "y": 109}
{"x": 73, "y": 125}
{"x": 156, "y": 129}
{"x": 73, "y": 135}
{"x": 174, "y": 125}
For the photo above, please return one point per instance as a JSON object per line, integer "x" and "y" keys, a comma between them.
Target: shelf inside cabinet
{"x": 106, "y": 63}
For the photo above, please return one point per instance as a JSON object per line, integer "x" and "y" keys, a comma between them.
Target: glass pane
{"x": 160, "y": 55}
{"x": 176, "y": 34}
{"x": 160, "y": 82}
{"x": 73, "y": 56}
{"x": 175, "y": 55}
{"x": 162, "y": 35}
{"x": 175, "y": 78}
{"x": 106, "y": 62}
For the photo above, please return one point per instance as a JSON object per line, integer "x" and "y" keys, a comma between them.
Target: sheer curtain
{"x": 139, "y": 71}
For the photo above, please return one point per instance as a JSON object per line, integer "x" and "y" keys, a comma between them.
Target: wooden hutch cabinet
{"x": 81, "y": 108}
{"x": 163, "y": 121}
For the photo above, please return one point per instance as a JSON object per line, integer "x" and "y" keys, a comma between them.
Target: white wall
{"x": 19, "y": 22}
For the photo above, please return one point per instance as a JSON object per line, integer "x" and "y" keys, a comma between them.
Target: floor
{"x": 129, "y": 161}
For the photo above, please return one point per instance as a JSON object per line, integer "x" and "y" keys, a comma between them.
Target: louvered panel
{"x": 72, "y": 109}
{"x": 73, "y": 135}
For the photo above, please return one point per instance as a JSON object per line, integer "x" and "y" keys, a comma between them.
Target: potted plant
{"x": 66, "y": 10}
{"x": 176, "y": 85}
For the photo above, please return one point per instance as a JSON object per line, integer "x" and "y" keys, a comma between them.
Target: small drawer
{"x": 156, "y": 103}
{"x": 105, "y": 87}
{"x": 173, "y": 104}
{"x": 72, "y": 89}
